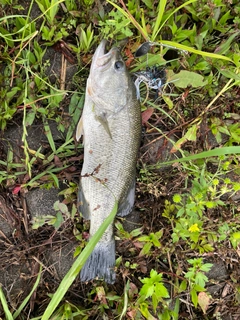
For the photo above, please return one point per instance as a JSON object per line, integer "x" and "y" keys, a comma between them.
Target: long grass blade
{"x": 202, "y": 155}
{"x": 5, "y": 305}
{"x": 26, "y": 300}
{"x": 130, "y": 17}
{"x": 77, "y": 266}
{"x": 182, "y": 47}
{"x": 157, "y": 27}
{"x": 160, "y": 9}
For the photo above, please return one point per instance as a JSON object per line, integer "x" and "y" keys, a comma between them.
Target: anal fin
{"x": 127, "y": 203}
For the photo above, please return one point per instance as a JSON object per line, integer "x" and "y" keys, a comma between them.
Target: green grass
{"x": 198, "y": 44}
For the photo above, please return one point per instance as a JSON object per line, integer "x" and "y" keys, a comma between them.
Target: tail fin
{"x": 100, "y": 263}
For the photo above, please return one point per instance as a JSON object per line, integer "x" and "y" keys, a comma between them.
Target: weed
{"x": 154, "y": 288}
{"x": 196, "y": 277}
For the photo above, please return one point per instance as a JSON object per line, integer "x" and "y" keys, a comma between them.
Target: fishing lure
{"x": 154, "y": 77}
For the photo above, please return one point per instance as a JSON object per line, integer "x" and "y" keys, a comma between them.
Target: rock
{"x": 14, "y": 281}
{"x": 54, "y": 58}
{"x": 6, "y": 220}
{"x": 61, "y": 260}
{"x": 36, "y": 136}
{"x": 40, "y": 201}
{"x": 132, "y": 221}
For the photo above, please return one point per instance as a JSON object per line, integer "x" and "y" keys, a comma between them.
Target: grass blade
{"x": 49, "y": 136}
{"x": 157, "y": 26}
{"x": 205, "y": 154}
{"x": 5, "y": 306}
{"x": 26, "y": 300}
{"x": 131, "y": 18}
{"x": 161, "y": 9}
{"x": 176, "y": 45}
{"x": 77, "y": 266}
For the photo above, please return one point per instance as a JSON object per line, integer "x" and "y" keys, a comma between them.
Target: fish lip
{"x": 101, "y": 57}
{"x": 100, "y": 51}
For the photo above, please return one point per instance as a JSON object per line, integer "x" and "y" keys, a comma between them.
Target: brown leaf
{"x": 204, "y": 301}
{"x": 146, "y": 115}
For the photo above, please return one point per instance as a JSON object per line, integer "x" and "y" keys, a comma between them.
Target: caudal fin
{"x": 100, "y": 263}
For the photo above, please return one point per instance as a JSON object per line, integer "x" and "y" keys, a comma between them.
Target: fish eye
{"x": 118, "y": 65}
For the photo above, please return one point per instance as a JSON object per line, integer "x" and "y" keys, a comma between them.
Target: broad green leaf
{"x": 161, "y": 291}
{"x": 136, "y": 232}
{"x": 183, "y": 286}
{"x": 30, "y": 118}
{"x": 185, "y": 78}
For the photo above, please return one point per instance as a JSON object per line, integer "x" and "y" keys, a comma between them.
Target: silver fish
{"x": 111, "y": 128}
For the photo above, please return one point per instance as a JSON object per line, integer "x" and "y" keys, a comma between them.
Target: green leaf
{"x": 225, "y": 46}
{"x": 155, "y": 240}
{"x": 191, "y": 134}
{"x": 145, "y": 312}
{"x": 59, "y": 220}
{"x": 185, "y": 78}
{"x": 194, "y": 297}
{"x": 161, "y": 291}
{"x": 168, "y": 101}
{"x": 136, "y": 232}
{"x": 146, "y": 248}
{"x": 229, "y": 74}
{"x": 154, "y": 301}
{"x": 48, "y": 133}
{"x": 183, "y": 286}
{"x": 206, "y": 267}
{"x": 201, "y": 279}
{"x": 30, "y": 118}
{"x": 202, "y": 155}
{"x": 177, "y": 198}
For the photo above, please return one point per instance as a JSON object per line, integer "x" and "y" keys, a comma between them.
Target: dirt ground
{"x": 22, "y": 248}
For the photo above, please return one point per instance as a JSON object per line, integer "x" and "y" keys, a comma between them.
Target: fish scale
{"x": 111, "y": 127}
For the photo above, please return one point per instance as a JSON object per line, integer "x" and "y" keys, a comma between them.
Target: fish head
{"x": 109, "y": 80}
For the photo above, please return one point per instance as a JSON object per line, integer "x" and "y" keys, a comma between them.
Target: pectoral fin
{"x": 102, "y": 118}
{"x": 79, "y": 131}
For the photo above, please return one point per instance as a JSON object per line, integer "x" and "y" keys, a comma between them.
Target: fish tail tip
{"x": 100, "y": 264}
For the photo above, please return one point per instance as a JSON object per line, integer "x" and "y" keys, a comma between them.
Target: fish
{"x": 111, "y": 128}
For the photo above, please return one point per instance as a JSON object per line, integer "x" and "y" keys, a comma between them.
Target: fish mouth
{"x": 101, "y": 57}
